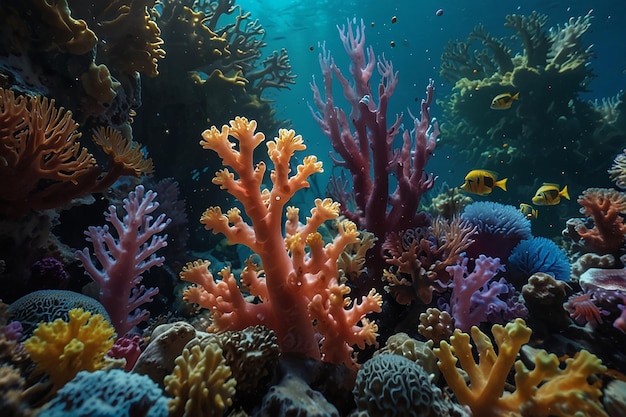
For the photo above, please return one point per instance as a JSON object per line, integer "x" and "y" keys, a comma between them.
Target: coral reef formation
{"x": 550, "y": 121}
{"x": 419, "y": 258}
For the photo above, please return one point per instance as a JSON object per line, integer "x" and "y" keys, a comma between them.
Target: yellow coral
{"x": 62, "y": 349}
{"x": 201, "y": 383}
{"x": 126, "y": 155}
{"x": 544, "y": 391}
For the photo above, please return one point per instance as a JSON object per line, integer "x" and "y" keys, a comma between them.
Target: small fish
{"x": 549, "y": 195}
{"x": 528, "y": 211}
{"x": 481, "y": 182}
{"x": 504, "y": 101}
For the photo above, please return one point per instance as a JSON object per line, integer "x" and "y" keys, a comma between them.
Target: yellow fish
{"x": 504, "y": 101}
{"x": 481, "y": 182}
{"x": 528, "y": 211}
{"x": 549, "y": 195}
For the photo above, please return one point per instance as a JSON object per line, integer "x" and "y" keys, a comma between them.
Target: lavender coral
{"x": 366, "y": 149}
{"x": 474, "y": 295}
{"x": 124, "y": 258}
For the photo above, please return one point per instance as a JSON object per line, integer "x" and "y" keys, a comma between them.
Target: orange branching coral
{"x": 546, "y": 390}
{"x": 604, "y": 207}
{"x": 301, "y": 297}
{"x": 38, "y": 141}
{"x": 420, "y": 257}
{"x": 42, "y": 163}
{"x": 126, "y": 156}
{"x": 62, "y": 349}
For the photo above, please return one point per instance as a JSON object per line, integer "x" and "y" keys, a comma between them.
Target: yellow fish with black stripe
{"x": 482, "y": 182}
{"x": 528, "y": 211}
{"x": 549, "y": 195}
{"x": 503, "y": 101}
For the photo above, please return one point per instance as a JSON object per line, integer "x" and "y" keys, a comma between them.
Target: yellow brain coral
{"x": 201, "y": 383}
{"x": 62, "y": 349}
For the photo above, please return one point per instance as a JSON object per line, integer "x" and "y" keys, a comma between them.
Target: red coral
{"x": 583, "y": 310}
{"x": 420, "y": 257}
{"x": 603, "y": 206}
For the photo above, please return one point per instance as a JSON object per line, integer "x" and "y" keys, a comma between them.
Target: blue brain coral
{"x": 113, "y": 393}
{"x": 500, "y": 228}
{"x": 537, "y": 255}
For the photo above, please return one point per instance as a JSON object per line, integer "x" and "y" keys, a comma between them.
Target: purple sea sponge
{"x": 500, "y": 228}
{"x": 13, "y": 330}
{"x": 48, "y": 273}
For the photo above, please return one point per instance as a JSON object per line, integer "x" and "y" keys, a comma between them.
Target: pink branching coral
{"x": 123, "y": 258}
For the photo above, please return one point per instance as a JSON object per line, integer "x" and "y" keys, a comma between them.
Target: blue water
{"x": 419, "y": 36}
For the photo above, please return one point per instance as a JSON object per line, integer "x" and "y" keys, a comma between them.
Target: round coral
{"x": 500, "y": 228}
{"x": 393, "y": 386}
{"x": 538, "y": 254}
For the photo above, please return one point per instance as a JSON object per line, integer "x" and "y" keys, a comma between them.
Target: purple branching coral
{"x": 477, "y": 298}
{"x": 122, "y": 260}
{"x": 366, "y": 150}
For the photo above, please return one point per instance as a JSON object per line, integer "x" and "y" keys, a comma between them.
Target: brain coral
{"x": 49, "y": 305}
{"x": 112, "y": 393}
{"x": 393, "y": 386}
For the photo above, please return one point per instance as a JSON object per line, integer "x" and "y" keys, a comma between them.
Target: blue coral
{"x": 113, "y": 393}
{"x": 500, "y": 228}
{"x": 537, "y": 255}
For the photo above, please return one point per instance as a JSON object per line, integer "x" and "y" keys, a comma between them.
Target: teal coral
{"x": 113, "y": 393}
{"x": 390, "y": 385}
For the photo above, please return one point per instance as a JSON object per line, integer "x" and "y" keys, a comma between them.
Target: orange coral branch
{"x": 298, "y": 283}
{"x": 43, "y": 165}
